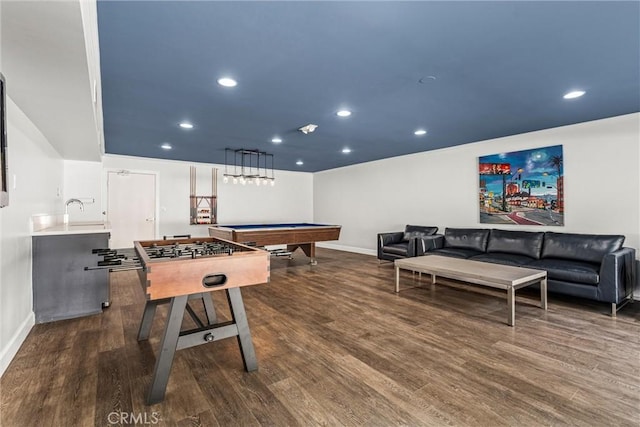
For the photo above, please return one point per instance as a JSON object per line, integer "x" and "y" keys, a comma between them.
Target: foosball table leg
{"x": 209, "y": 309}
{"x": 244, "y": 334}
{"x": 164, "y": 360}
{"x": 147, "y": 320}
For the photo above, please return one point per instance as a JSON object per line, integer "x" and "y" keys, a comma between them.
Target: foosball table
{"x": 176, "y": 271}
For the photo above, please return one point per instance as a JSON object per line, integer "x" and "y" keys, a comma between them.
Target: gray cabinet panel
{"x": 62, "y": 288}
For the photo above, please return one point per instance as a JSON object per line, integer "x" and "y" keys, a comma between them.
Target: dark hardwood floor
{"x": 336, "y": 346}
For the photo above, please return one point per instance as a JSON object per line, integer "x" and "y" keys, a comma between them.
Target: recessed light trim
{"x": 166, "y": 146}
{"x": 426, "y": 79}
{"x": 227, "y": 82}
{"x": 343, "y": 113}
{"x": 420, "y": 132}
{"x": 299, "y": 163}
{"x": 346, "y": 150}
{"x": 276, "y": 140}
{"x": 186, "y": 125}
{"x": 574, "y": 94}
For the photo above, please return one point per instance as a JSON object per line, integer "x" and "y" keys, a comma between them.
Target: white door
{"x": 131, "y": 207}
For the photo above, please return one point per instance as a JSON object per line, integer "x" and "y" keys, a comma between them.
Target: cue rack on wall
{"x": 204, "y": 209}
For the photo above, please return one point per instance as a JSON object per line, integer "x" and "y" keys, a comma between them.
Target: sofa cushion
{"x": 580, "y": 247}
{"x": 466, "y": 238}
{"x": 568, "y": 270}
{"x": 524, "y": 243}
{"x": 455, "y": 252}
{"x": 504, "y": 258}
{"x": 399, "y": 249}
{"x": 413, "y": 231}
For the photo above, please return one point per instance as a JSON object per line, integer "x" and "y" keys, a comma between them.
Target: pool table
{"x": 297, "y": 235}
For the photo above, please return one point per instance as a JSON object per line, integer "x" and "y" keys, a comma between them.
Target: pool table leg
{"x": 309, "y": 250}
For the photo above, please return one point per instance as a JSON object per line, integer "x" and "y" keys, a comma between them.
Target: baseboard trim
{"x": 353, "y": 249}
{"x": 11, "y": 349}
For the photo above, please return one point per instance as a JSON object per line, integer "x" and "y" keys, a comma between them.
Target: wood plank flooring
{"x": 336, "y": 346}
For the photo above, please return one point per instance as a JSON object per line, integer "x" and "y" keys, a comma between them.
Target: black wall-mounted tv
{"x": 4, "y": 171}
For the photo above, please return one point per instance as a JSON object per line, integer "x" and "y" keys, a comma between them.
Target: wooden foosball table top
{"x": 187, "y": 266}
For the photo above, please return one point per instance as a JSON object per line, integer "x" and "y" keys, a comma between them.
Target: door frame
{"x": 105, "y": 193}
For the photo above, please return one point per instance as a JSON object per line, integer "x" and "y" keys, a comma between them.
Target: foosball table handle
{"x": 214, "y": 280}
{"x": 109, "y": 263}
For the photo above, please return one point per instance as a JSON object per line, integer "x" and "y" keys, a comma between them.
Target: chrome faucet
{"x": 65, "y": 217}
{"x": 71, "y": 202}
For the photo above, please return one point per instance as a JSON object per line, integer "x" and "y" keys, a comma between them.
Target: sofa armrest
{"x": 428, "y": 243}
{"x": 617, "y": 275}
{"x": 388, "y": 238}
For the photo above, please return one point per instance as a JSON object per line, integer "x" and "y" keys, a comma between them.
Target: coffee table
{"x": 480, "y": 273}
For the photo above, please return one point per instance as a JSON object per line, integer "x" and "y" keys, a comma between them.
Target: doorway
{"x": 131, "y": 207}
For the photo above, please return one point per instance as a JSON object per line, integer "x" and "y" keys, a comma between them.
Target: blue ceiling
{"x": 464, "y": 71}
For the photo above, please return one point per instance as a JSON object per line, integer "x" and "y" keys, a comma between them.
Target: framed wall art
{"x": 522, "y": 187}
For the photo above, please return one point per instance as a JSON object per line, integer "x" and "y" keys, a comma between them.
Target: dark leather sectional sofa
{"x": 595, "y": 267}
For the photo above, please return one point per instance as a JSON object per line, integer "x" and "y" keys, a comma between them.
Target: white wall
{"x": 440, "y": 187}
{"x": 290, "y": 200}
{"x": 82, "y": 180}
{"x": 35, "y": 174}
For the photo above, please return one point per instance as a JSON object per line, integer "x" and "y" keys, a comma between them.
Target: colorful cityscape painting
{"x": 523, "y": 187}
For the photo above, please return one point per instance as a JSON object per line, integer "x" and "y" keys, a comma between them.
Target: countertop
{"x": 88, "y": 227}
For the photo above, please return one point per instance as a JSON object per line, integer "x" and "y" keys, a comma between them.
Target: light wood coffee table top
{"x": 488, "y": 274}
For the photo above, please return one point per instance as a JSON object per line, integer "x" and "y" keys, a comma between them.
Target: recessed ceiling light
{"x": 420, "y": 132}
{"x": 343, "y": 113}
{"x": 227, "y": 82}
{"x": 574, "y": 94}
{"x": 166, "y": 146}
{"x": 276, "y": 140}
{"x": 299, "y": 163}
{"x": 186, "y": 125}
{"x": 346, "y": 150}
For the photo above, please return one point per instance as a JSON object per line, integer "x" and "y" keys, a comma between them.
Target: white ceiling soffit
{"x": 44, "y": 61}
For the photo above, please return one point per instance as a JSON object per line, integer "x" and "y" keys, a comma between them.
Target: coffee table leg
{"x": 511, "y": 303}
{"x": 397, "y": 279}
{"x": 543, "y": 293}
